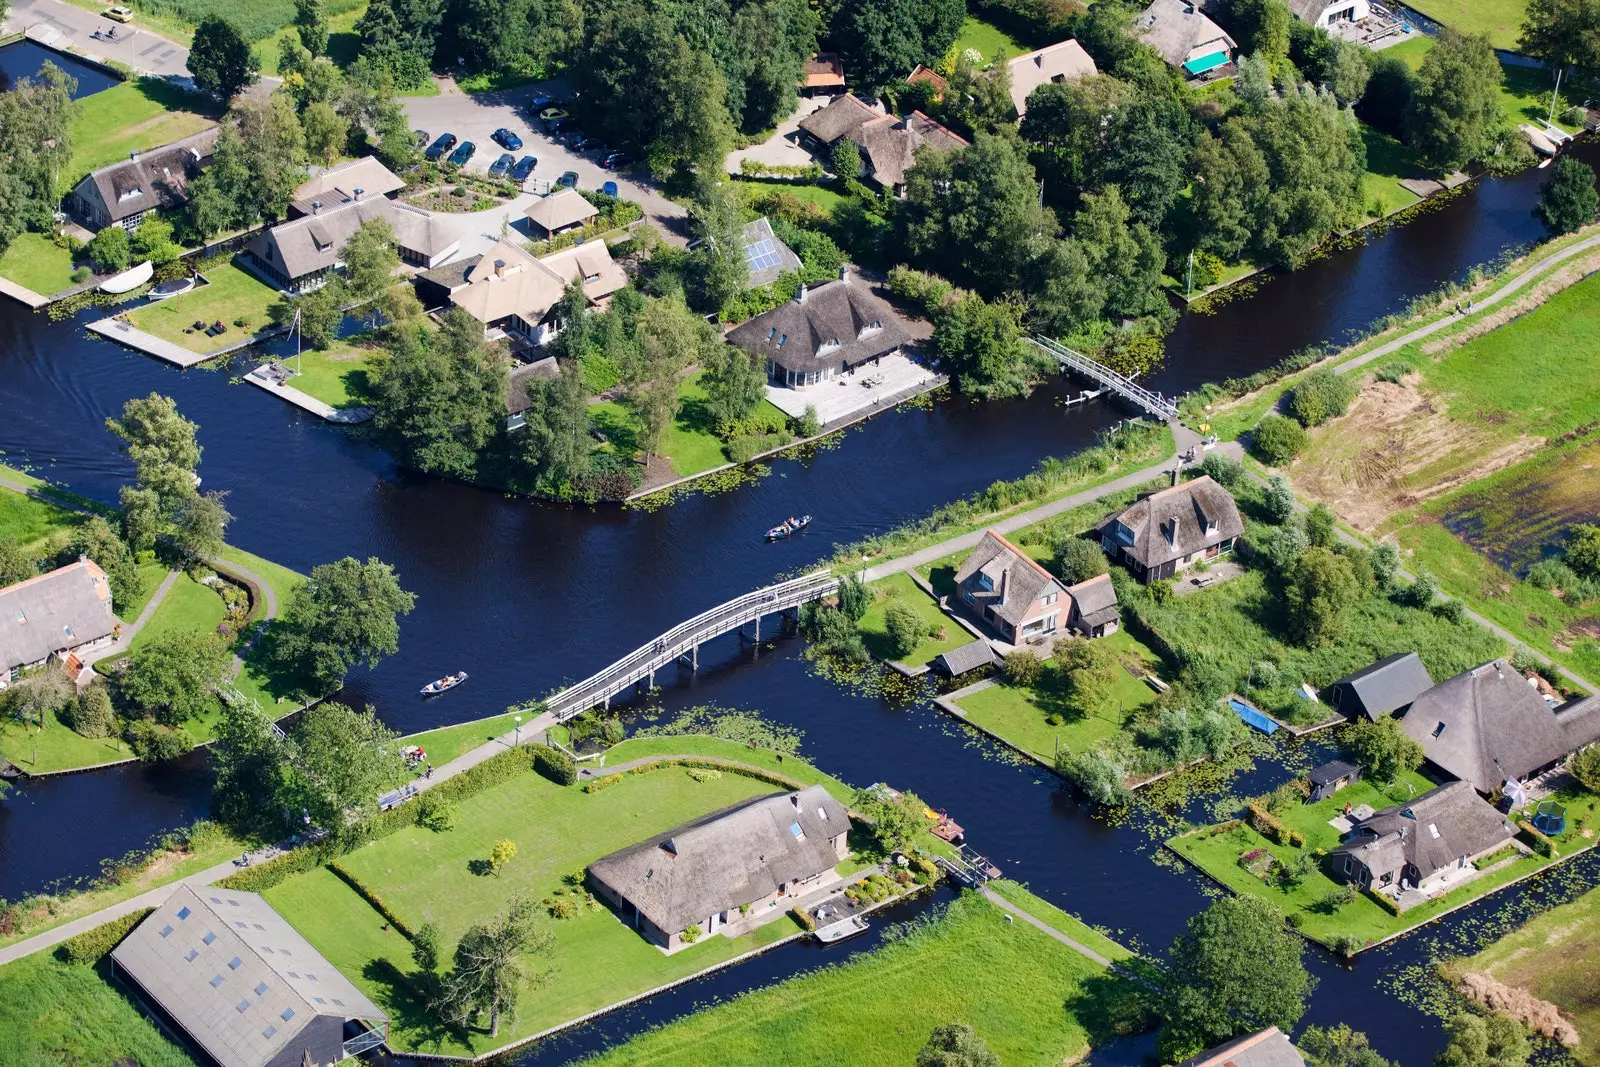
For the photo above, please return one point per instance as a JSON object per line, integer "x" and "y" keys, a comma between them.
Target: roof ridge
{"x": 47, "y": 574}
{"x": 1020, "y": 554}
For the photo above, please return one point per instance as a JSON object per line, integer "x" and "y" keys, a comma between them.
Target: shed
{"x": 969, "y": 657}
{"x": 561, "y": 210}
{"x": 1331, "y": 777}
{"x": 1388, "y": 686}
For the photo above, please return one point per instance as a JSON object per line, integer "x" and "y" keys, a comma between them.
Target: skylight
{"x": 799, "y": 834}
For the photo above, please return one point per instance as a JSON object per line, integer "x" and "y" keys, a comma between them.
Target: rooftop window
{"x": 288, "y": 1013}
{"x": 269, "y": 1031}
{"x": 165, "y": 930}
{"x": 210, "y": 937}
{"x": 241, "y": 1006}
{"x": 192, "y": 955}
{"x": 184, "y": 912}
{"x": 261, "y": 987}
{"x": 233, "y": 964}
{"x": 216, "y": 980}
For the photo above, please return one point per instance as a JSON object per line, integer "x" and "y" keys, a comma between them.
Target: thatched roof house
{"x": 1418, "y": 842}
{"x": 1164, "y": 532}
{"x": 62, "y": 611}
{"x": 157, "y": 179}
{"x": 824, "y": 331}
{"x": 564, "y": 209}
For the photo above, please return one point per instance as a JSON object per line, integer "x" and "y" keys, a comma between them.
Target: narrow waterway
{"x": 526, "y": 595}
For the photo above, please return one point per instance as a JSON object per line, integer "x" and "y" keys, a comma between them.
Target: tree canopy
{"x": 220, "y": 59}
{"x": 346, "y": 613}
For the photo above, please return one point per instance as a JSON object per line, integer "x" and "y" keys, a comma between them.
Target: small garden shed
{"x": 1331, "y": 777}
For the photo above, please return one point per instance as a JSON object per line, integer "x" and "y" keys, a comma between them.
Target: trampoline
{"x": 1550, "y": 818}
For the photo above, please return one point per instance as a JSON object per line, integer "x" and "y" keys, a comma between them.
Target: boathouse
{"x": 725, "y": 869}
{"x": 1331, "y": 777}
{"x": 58, "y": 614}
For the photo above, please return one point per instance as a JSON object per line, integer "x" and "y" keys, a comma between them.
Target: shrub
{"x": 802, "y": 917}
{"x": 691, "y": 933}
{"x": 1267, "y": 825}
{"x": 1276, "y": 441}
{"x": 1021, "y": 667}
{"x": 1451, "y": 611}
{"x": 92, "y": 714}
{"x": 1394, "y": 371}
{"x": 554, "y": 764}
{"x": 1552, "y": 575}
{"x": 1346, "y": 945}
{"x": 810, "y": 423}
{"x": 1320, "y": 396}
{"x": 904, "y": 627}
{"x": 1384, "y": 902}
{"x": 1585, "y": 767}
{"x": 435, "y": 813}
{"x": 1535, "y": 839}
{"x": 1423, "y": 591}
{"x": 1279, "y": 500}
{"x": 372, "y": 898}
{"x": 928, "y": 291}
{"x": 1078, "y": 559}
{"x": 91, "y": 946}
{"x": 561, "y": 908}
{"x": 153, "y": 743}
{"x": 263, "y": 876}
{"x": 704, "y": 774}
{"x": 1097, "y": 774}
{"x": 81, "y": 275}
{"x": 1222, "y": 470}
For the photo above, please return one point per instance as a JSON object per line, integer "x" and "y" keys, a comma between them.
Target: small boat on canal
{"x": 839, "y": 931}
{"x": 171, "y": 288}
{"x": 449, "y": 681}
{"x": 129, "y": 280}
{"x": 788, "y": 527}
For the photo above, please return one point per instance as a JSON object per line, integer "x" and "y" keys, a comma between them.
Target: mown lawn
{"x": 900, "y": 587}
{"x": 1021, "y": 714}
{"x": 690, "y": 446}
{"x": 989, "y": 40}
{"x": 337, "y": 376}
{"x": 134, "y": 116}
{"x": 425, "y": 876}
{"x": 1033, "y": 1000}
{"x": 34, "y": 262}
{"x": 702, "y": 745}
{"x": 56, "y": 747}
{"x": 1070, "y": 925}
{"x": 1388, "y": 161}
{"x": 1556, "y": 957}
{"x": 188, "y": 606}
{"x": 344, "y": 44}
{"x": 234, "y": 294}
{"x": 38, "y": 525}
{"x": 1500, "y": 19}
{"x": 54, "y": 1012}
{"x": 822, "y": 196}
{"x": 448, "y": 742}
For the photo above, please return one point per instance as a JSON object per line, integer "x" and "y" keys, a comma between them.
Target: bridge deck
{"x": 1155, "y": 403}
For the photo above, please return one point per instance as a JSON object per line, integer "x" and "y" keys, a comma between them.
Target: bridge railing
{"x": 583, "y": 695}
{"x": 1150, "y": 400}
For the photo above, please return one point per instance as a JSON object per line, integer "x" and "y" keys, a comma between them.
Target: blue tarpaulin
{"x": 1205, "y": 63}
{"x": 1253, "y": 717}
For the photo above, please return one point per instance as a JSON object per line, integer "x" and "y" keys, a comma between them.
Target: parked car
{"x": 438, "y": 148}
{"x": 553, "y": 114}
{"x": 421, "y": 136}
{"x": 120, "y": 14}
{"x": 569, "y": 180}
{"x": 614, "y": 160}
{"x": 462, "y": 154}
{"x": 540, "y": 102}
{"x": 524, "y": 168}
{"x": 609, "y": 188}
{"x": 506, "y": 139}
{"x": 502, "y": 166}
{"x": 581, "y": 143}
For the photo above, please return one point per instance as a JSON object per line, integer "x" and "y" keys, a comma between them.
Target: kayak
{"x": 172, "y": 288}
{"x": 788, "y": 528}
{"x": 449, "y": 681}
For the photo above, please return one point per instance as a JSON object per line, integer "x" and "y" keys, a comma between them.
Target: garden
{"x": 35, "y": 262}
{"x": 232, "y": 296}
{"x": 339, "y": 375}
{"x": 135, "y": 116}
{"x": 904, "y": 624}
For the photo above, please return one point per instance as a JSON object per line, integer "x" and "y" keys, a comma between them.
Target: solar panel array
{"x": 761, "y": 255}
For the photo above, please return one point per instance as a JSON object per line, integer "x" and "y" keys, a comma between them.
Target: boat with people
{"x": 449, "y": 681}
{"x": 788, "y": 527}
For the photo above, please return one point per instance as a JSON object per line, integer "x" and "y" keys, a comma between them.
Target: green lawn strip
{"x": 151, "y": 575}
{"x": 1019, "y": 715}
{"x": 34, "y": 262}
{"x": 54, "y": 1012}
{"x": 1033, "y": 1000}
{"x": 423, "y": 876}
{"x": 38, "y": 525}
{"x": 820, "y": 195}
{"x": 715, "y": 747}
{"x": 337, "y": 376}
{"x": 344, "y": 44}
{"x": 283, "y": 580}
{"x": 690, "y": 445}
{"x": 900, "y": 587}
{"x": 1525, "y": 94}
{"x": 1388, "y": 161}
{"x": 56, "y": 747}
{"x": 234, "y": 293}
{"x": 988, "y": 40}
{"x": 1500, "y": 19}
{"x": 1068, "y": 924}
{"x": 1555, "y": 956}
{"x": 134, "y": 116}
{"x": 448, "y": 742}
{"x": 188, "y": 606}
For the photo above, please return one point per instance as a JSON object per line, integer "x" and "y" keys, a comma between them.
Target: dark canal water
{"x": 527, "y": 595}
{"x": 25, "y": 59}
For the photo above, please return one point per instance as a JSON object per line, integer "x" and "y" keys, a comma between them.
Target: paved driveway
{"x": 473, "y": 118}
{"x": 60, "y": 25}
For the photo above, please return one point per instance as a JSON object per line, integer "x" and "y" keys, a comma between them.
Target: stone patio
{"x": 1224, "y": 569}
{"x": 870, "y": 387}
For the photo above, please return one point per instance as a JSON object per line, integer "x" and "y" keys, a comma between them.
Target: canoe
{"x": 129, "y": 279}
{"x": 172, "y": 288}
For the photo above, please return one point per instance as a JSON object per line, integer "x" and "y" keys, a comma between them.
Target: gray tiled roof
{"x": 306, "y": 245}
{"x": 158, "y": 178}
{"x": 1171, "y": 524}
{"x": 1175, "y": 28}
{"x": 1095, "y": 599}
{"x": 1331, "y": 771}
{"x": 821, "y": 326}
{"x": 1017, "y": 578}
{"x": 239, "y": 980}
{"x": 1266, "y": 1048}
{"x": 1431, "y": 832}
{"x": 968, "y": 657}
{"x": 1389, "y": 684}
{"x": 730, "y": 857}
{"x": 68, "y": 607}
{"x": 1489, "y": 724}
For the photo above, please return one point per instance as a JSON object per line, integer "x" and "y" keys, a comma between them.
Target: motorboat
{"x": 788, "y": 527}
{"x": 172, "y": 288}
{"x": 449, "y": 681}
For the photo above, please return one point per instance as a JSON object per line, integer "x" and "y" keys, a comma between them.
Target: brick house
{"x": 1010, "y": 591}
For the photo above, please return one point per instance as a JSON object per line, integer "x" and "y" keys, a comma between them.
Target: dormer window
{"x": 1437, "y": 730}
{"x": 1048, "y": 598}
{"x": 131, "y": 194}
{"x": 783, "y": 340}
{"x": 772, "y": 333}
{"x": 66, "y": 628}
{"x": 985, "y": 582}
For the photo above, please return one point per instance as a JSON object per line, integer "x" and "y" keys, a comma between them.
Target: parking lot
{"x": 475, "y": 118}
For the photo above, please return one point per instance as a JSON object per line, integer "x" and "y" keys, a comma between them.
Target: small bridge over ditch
{"x": 683, "y": 641}
{"x": 1163, "y": 408}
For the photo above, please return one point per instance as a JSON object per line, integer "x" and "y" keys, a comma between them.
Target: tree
{"x": 735, "y": 383}
{"x": 15, "y": 564}
{"x": 895, "y": 821}
{"x": 1582, "y": 550}
{"x": 96, "y": 539}
{"x": 321, "y": 313}
{"x": 904, "y": 627}
{"x": 1320, "y": 396}
{"x": 152, "y": 240}
{"x": 670, "y": 336}
{"x": 981, "y": 343}
{"x": 425, "y": 948}
{"x": 854, "y": 598}
{"x": 341, "y": 761}
{"x": 1321, "y": 587}
{"x": 370, "y": 258}
{"x": 1279, "y": 500}
{"x": 1320, "y": 526}
{"x": 845, "y": 160}
{"x": 327, "y": 132}
{"x": 502, "y": 854}
{"x": 1078, "y": 559}
{"x": 346, "y": 613}
{"x": 175, "y": 675}
{"x": 1455, "y": 108}
{"x": 1315, "y": 158}
{"x": 163, "y": 448}
{"x": 199, "y": 527}
{"x": 1070, "y": 125}
{"x": 141, "y": 517}
{"x": 491, "y": 966}
{"x": 249, "y": 759}
{"x": 717, "y": 220}
{"x": 883, "y": 39}
{"x": 1385, "y": 563}
{"x": 1090, "y": 670}
{"x": 1568, "y": 200}
{"x": 1124, "y": 256}
{"x": 1261, "y": 26}
{"x": 1149, "y": 159}
{"x": 1483, "y": 1041}
{"x": 35, "y": 150}
{"x": 442, "y": 397}
{"x": 311, "y": 23}
{"x": 255, "y": 167}
{"x": 398, "y": 38}
{"x": 1277, "y": 440}
{"x": 1383, "y": 749}
{"x": 1230, "y": 197}
{"x": 1339, "y": 1046}
{"x": 1585, "y": 767}
{"x": 93, "y": 716}
{"x": 220, "y": 59}
{"x": 1237, "y": 969}
{"x": 555, "y": 442}
{"x": 1563, "y": 33}
{"x": 110, "y": 250}
{"x": 956, "y": 1045}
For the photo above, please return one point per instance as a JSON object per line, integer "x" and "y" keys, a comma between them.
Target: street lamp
{"x": 517, "y": 734}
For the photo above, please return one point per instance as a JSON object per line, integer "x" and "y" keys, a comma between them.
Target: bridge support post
{"x": 652, "y": 683}
{"x": 758, "y": 629}
{"x": 694, "y": 657}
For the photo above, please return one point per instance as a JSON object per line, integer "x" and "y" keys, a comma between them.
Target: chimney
{"x": 316, "y": 207}
{"x": 133, "y": 156}
{"x": 844, "y": 275}
{"x": 1172, "y": 530}
{"x": 800, "y": 297}
{"x": 359, "y": 192}
{"x": 499, "y": 268}
{"x": 1175, "y": 471}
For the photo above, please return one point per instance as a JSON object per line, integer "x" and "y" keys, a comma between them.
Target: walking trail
{"x": 1076, "y": 946}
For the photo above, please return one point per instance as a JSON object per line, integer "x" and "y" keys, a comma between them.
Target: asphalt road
{"x": 138, "y": 48}
{"x": 473, "y": 118}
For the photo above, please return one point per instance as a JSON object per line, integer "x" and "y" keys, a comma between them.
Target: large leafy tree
{"x": 442, "y": 396}
{"x": 249, "y": 759}
{"x": 175, "y": 675}
{"x": 1568, "y": 200}
{"x": 1563, "y": 33}
{"x": 1312, "y": 150}
{"x": 370, "y": 257}
{"x": 348, "y": 612}
{"x": 1235, "y": 970}
{"x": 255, "y": 168}
{"x": 340, "y": 762}
{"x": 311, "y": 23}
{"x": 670, "y": 337}
{"x": 492, "y": 965}
{"x": 1321, "y": 588}
{"x": 162, "y": 445}
{"x": 735, "y": 382}
{"x": 35, "y": 149}
{"x": 200, "y": 526}
{"x": 1455, "y": 107}
{"x": 1383, "y": 749}
{"x": 1495, "y": 1040}
{"x": 1231, "y": 190}
{"x": 956, "y": 1045}
{"x": 882, "y": 40}
{"x": 1339, "y": 1046}
{"x": 981, "y": 343}
{"x": 220, "y": 59}
{"x": 1069, "y": 125}
{"x": 555, "y": 437}
{"x": 768, "y": 43}
{"x": 398, "y": 38}
{"x": 1261, "y": 26}
{"x": 1124, "y": 256}
{"x": 1148, "y": 158}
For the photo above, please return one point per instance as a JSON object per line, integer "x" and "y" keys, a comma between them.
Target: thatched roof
{"x": 355, "y": 180}
{"x": 157, "y": 178}
{"x": 68, "y": 607}
{"x": 1171, "y": 524}
{"x": 1016, "y": 580}
{"x": 890, "y": 145}
{"x": 314, "y": 242}
{"x": 1431, "y": 832}
{"x": 1095, "y": 599}
{"x": 561, "y": 209}
{"x": 843, "y": 115}
{"x": 823, "y": 325}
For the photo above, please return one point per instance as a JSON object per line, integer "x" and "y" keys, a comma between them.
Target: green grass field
{"x": 258, "y": 20}
{"x": 900, "y": 587}
{"x": 1555, "y": 957}
{"x": 1387, "y": 162}
{"x": 988, "y": 40}
{"x": 701, "y": 745}
{"x": 448, "y": 742}
{"x": 133, "y": 117}
{"x": 690, "y": 445}
{"x": 233, "y": 293}
{"x": 34, "y": 262}
{"x": 188, "y": 606}
{"x": 1018, "y": 714}
{"x": 337, "y": 376}
{"x": 38, "y": 525}
{"x": 1500, "y": 19}
{"x": 425, "y": 876}
{"x": 822, "y": 196}
{"x": 344, "y": 44}
{"x": 58, "y": 1013}
{"x": 56, "y": 747}
{"x": 1033, "y": 1000}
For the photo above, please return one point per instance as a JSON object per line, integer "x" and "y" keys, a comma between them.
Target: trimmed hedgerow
{"x": 554, "y": 764}
{"x": 265, "y": 875}
{"x": 91, "y": 946}
{"x": 594, "y": 785}
{"x": 372, "y": 898}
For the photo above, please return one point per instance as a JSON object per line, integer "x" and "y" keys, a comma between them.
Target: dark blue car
{"x": 438, "y": 148}
{"x": 506, "y": 139}
{"x": 609, "y": 188}
{"x": 524, "y": 168}
{"x": 462, "y": 153}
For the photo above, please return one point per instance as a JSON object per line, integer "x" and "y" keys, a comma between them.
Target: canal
{"x": 526, "y": 595}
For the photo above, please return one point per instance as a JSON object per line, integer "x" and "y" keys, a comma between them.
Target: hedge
{"x": 1267, "y": 825}
{"x": 803, "y": 917}
{"x": 91, "y": 946}
{"x": 554, "y": 764}
{"x": 372, "y": 898}
{"x": 594, "y": 785}
{"x": 1384, "y": 902}
{"x": 1537, "y": 840}
{"x": 265, "y": 875}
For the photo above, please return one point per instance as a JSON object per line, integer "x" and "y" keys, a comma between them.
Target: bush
{"x": 1267, "y": 825}
{"x": 1393, "y": 372}
{"x": 1320, "y": 396}
{"x": 1222, "y": 470}
{"x": 803, "y": 917}
{"x": 435, "y": 813}
{"x": 1277, "y": 440}
{"x": 153, "y": 743}
{"x": 92, "y": 714}
{"x": 1585, "y": 767}
{"x": 928, "y": 291}
{"x": 91, "y": 946}
{"x": 691, "y": 933}
{"x": 810, "y": 424}
{"x": 1535, "y": 839}
{"x": 1078, "y": 559}
{"x": 1384, "y": 902}
{"x": 1451, "y": 611}
{"x": 904, "y": 627}
{"x": 1423, "y": 591}
{"x": 554, "y": 764}
{"x": 1022, "y": 668}
{"x": 1552, "y": 575}
{"x": 1097, "y": 774}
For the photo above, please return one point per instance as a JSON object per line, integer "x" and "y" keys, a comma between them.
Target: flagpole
{"x": 299, "y": 365}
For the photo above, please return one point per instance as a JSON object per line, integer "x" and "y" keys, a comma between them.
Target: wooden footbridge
{"x": 1163, "y": 408}
{"x": 683, "y": 642}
